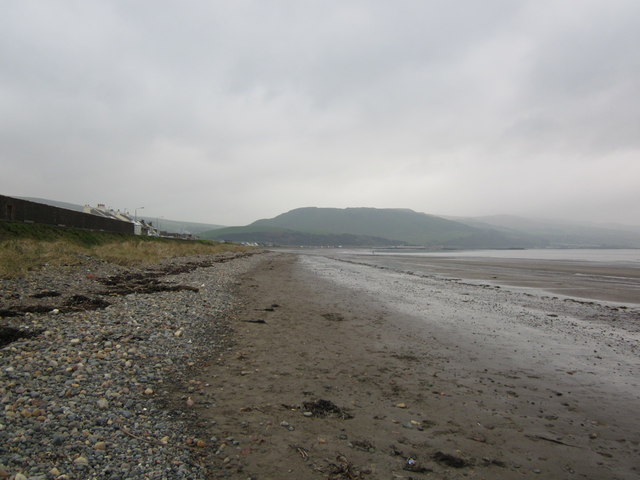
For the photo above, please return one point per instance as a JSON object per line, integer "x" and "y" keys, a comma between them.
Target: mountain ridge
{"x": 402, "y": 226}
{"x": 398, "y": 226}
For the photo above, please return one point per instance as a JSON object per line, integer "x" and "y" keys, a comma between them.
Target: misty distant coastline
{"x": 401, "y": 229}
{"x": 405, "y": 229}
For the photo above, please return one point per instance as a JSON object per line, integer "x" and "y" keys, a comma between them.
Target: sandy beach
{"x": 288, "y": 366}
{"x": 344, "y": 370}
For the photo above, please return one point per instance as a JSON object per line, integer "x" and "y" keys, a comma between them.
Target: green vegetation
{"x": 368, "y": 227}
{"x": 25, "y": 247}
{"x": 401, "y": 225}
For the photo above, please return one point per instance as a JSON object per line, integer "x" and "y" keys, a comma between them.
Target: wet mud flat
{"x": 611, "y": 282}
{"x": 346, "y": 371}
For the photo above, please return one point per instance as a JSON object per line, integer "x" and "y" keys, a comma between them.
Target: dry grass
{"x": 143, "y": 253}
{"x": 18, "y": 256}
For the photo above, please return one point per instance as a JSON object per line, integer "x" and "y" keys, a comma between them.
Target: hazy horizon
{"x": 566, "y": 221}
{"x": 228, "y": 112}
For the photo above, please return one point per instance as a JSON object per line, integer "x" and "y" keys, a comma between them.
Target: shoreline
{"x": 424, "y": 399}
{"x": 597, "y": 281}
{"x": 286, "y": 366}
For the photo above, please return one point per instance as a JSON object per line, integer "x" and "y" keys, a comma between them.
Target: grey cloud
{"x": 446, "y": 107}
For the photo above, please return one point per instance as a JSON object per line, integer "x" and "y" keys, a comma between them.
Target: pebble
{"x": 85, "y": 399}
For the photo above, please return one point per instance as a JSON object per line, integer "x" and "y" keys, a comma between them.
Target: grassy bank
{"x": 25, "y": 247}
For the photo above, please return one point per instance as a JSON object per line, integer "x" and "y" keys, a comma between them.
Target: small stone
{"x": 54, "y": 472}
{"x": 81, "y": 461}
{"x": 20, "y": 476}
{"x": 178, "y": 333}
{"x": 401, "y": 405}
{"x": 103, "y": 403}
{"x": 100, "y": 446}
{"x": 148, "y": 391}
{"x": 74, "y": 341}
{"x": 308, "y": 414}
{"x": 164, "y": 440}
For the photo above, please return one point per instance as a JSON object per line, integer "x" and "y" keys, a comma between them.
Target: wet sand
{"x": 443, "y": 379}
{"x": 614, "y": 281}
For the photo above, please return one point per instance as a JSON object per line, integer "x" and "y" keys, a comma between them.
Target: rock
{"x": 91, "y": 377}
{"x": 82, "y": 461}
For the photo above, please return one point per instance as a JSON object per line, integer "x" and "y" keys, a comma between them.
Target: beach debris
{"x": 141, "y": 282}
{"x": 46, "y": 294}
{"x": 401, "y": 405}
{"x": 326, "y": 408}
{"x": 255, "y": 320}
{"x": 9, "y": 334}
{"x": 450, "y": 460}
{"x": 304, "y": 453}
{"x": 552, "y": 440}
{"x": 342, "y": 469}
{"x": 334, "y": 317}
{"x": 412, "y": 465}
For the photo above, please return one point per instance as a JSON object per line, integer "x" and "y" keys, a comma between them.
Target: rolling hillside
{"x": 368, "y": 227}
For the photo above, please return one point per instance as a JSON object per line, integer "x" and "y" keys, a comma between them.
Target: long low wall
{"x": 18, "y": 210}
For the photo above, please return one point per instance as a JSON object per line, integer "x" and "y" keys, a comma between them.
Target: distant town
{"x": 100, "y": 217}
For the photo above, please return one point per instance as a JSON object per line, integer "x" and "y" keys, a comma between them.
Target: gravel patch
{"x": 89, "y": 376}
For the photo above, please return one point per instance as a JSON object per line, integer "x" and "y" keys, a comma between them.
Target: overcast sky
{"x": 230, "y": 111}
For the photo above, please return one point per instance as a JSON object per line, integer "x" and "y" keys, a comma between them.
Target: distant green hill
{"x": 367, "y": 226}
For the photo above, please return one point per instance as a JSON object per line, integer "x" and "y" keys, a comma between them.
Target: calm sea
{"x": 623, "y": 256}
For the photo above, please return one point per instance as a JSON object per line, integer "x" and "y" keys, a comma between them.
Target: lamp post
{"x": 158, "y": 224}
{"x": 136, "y": 213}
